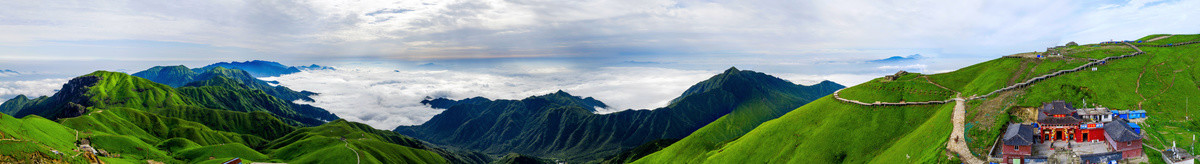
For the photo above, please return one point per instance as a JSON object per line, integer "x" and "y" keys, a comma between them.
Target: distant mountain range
{"x": 563, "y": 126}
{"x": 178, "y": 76}
{"x": 315, "y": 67}
{"x": 6, "y": 73}
{"x": 898, "y": 59}
{"x": 261, "y": 68}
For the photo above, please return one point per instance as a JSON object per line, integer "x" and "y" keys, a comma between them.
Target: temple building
{"x": 1058, "y": 121}
{"x": 1090, "y": 132}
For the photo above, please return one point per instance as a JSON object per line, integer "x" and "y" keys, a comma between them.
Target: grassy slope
{"x": 827, "y": 131}
{"x": 1172, "y": 39}
{"x": 232, "y": 150}
{"x": 806, "y": 135}
{"x": 33, "y": 138}
{"x": 743, "y": 119}
{"x": 128, "y": 147}
{"x": 324, "y": 144}
{"x": 174, "y": 76}
{"x": 117, "y": 89}
{"x": 730, "y": 104}
{"x": 225, "y": 93}
{"x": 1166, "y": 79}
{"x": 142, "y": 120}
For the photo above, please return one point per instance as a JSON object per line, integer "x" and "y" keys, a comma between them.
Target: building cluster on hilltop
{"x": 1107, "y": 134}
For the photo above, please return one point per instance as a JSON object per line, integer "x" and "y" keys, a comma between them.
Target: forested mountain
{"x": 563, "y": 126}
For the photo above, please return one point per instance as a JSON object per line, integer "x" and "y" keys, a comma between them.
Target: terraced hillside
{"x": 832, "y": 131}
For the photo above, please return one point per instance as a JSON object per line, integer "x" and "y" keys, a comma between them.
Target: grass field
{"x": 828, "y": 131}
{"x": 33, "y": 138}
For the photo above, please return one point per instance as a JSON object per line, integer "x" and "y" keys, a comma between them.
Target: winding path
{"x": 957, "y": 143}
{"x": 357, "y": 158}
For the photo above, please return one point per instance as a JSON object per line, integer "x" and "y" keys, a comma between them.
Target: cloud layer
{"x": 30, "y": 88}
{"x": 453, "y": 29}
{"x": 386, "y": 98}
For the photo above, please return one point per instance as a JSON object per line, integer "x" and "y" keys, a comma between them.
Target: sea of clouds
{"x": 30, "y": 88}
{"x": 386, "y": 98}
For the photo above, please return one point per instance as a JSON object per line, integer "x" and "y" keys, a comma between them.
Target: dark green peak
{"x": 219, "y": 69}
{"x": 338, "y": 121}
{"x": 174, "y": 76}
{"x": 220, "y": 81}
{"x": 174, "y": 67}
{"x": 100, "y": 75}
{"x": 566, "y": 99}
{"x": 741, "y": 83}
{"x": 21, "y": 96}
{"x": 827, "y": 82}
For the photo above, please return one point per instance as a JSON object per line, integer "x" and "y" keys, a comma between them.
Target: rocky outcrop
{"x": 70, "y": 101}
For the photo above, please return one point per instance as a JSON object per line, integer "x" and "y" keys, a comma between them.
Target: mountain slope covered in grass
{"x": 339, "y": 141}
{"x": 101, "y": 89}
{"x": 136, "y": 120}
{"x": 831, "y": 131}
{"x": 174, "y": 76}
{"x": 178, "y": 76}
{"x": 219, "y": 92}
{"x": 562, "y": 126}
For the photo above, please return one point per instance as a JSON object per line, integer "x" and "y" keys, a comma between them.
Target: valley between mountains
{"x": 224, "y": 112}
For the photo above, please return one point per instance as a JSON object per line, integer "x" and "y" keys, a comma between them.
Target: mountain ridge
{"x": 557, "y": 125}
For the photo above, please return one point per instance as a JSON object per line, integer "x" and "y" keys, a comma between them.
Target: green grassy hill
{"x": 135, "y": 120}
{"x": 220, "y": 92}
{"x": 831, "y": 131}
{"x": 174, "y": 76}
{"x": 341, "y": 141}
{"x": 33, "y": 139}
{"x": 560, "y": 126}
{"x": 232, "y": 150}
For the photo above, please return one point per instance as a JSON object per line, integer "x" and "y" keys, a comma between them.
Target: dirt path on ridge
{"x": 957, "y": 142}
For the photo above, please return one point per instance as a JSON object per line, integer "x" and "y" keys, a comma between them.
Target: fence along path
{"x": 1023, "y": 84}
{"x": 956, "y": 143}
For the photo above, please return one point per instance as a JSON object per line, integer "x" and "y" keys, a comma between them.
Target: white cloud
{"x": 31, "y": 88}
{"x": 843, "y": 79}
{"x": 430, "y": 29}
{"x": 909, "y": 68}
{"x": 8, "y": 74}
{"x": 386, "y": 98}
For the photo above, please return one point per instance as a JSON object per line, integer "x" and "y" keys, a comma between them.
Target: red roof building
{"x": 1057, "y": 121}
{"x": 1018, "y": 142}
{"x": 1121, "y": 137}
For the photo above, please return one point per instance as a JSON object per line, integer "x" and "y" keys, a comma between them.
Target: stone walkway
{"x": 1157, "y": 38}
{"x": 957, "y": 141}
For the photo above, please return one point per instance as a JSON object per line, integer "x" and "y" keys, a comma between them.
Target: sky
{"x": 548, "y": 45}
